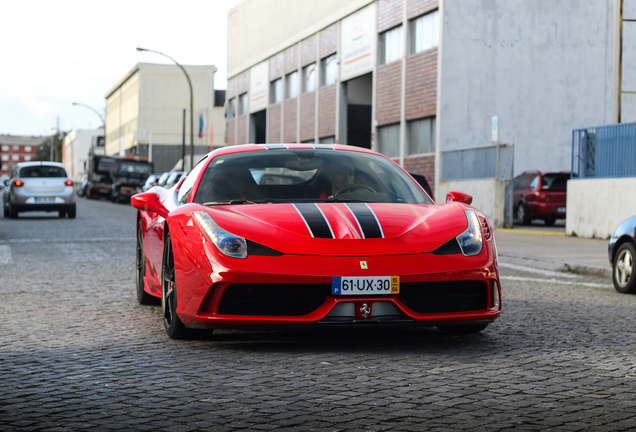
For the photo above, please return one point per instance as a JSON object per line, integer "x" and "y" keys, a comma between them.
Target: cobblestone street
{"x": 78, "y": 353}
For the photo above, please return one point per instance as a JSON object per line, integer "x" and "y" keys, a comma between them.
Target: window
{"x": 328, "y": 140}
{"x": 188, "y": 183}
{"x": 5, "y": 157}
{"x": 424, "y": 32}
{"x": 390, "y": 46}
{"x": 309, "y": 78}
{"x": 291, "y": 85}
{"x": 231, "y": 108}
{"x": 242, "y": 104}
{"x": 421, "y": 135}
{"x": 5, "y": 148}
{"x": 276, "y": 91}
{"x": 389, "y": 140}
{"x": 328, "y": 70}
{"x": 27, "y": 149}
{"x": 15, "y": 157}
{"x": 27, "y": 158}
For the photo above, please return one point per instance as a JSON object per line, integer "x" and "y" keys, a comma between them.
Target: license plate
{"x": 44, "y": 199}
{"x": 560, "y": 209}
{"x": 356, "y": 285}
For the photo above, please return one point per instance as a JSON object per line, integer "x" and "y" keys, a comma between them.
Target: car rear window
{"x": 554, "y": 181}
{"x": 42, "y": 171}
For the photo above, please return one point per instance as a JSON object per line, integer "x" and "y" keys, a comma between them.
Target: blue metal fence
{"x": 604, "y": 151}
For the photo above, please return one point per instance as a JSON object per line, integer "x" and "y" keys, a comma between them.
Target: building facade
{"x": 148, "y": 113}
{"x": 466, "y": 92}
{"x": 17, "y": 148}
{"x": 76, "y": 148}
{"x": 359, "y": 72}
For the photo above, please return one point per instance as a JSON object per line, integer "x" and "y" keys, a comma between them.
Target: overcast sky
{"x": 56, "y": 52}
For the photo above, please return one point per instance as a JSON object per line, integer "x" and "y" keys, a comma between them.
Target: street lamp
{"x": 95, "y": 111}
{"x": 191, "y": 110}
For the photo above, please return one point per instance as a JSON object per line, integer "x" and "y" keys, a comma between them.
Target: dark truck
{"x": 115, "y": 177}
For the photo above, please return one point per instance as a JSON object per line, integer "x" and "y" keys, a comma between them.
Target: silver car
{"x": 39, "y": 186}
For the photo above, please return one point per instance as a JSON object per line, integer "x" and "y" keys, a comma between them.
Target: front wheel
{"x": 173, "y": 325}
{"x": 622, "y": 269}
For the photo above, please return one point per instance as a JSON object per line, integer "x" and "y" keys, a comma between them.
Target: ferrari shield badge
{"x": 363, "y": 265}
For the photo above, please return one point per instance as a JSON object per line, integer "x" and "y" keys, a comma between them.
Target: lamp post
{"x": 95, "y": 111}
{"x": 191, "y": 110}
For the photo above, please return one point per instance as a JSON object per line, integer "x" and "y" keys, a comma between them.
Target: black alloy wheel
{"x": 143, "y": 298}
{"x": 173, "y": 325}
{"x": 522, "y": 215}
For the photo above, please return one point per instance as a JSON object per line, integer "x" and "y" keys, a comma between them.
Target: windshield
{"x": 42, "y": 171}
{"x": 133, "y": 167}
{"x": 305, "y": 175}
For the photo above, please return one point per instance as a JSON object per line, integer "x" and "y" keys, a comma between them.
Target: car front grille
{"x": 273, "y": 299}
{"x": 445, "y": 297}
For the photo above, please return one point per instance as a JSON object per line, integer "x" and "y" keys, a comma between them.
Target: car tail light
{"x": 18, "y": 183}
{"x": 68, "y": 183}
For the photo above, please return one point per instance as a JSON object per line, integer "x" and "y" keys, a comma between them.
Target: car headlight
{"x": 226, "y": 242}
{"x": 470, "y": 241}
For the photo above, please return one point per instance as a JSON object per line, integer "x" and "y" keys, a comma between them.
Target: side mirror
{"x": 461, "y": 197}
{"x": 151, "y": 202}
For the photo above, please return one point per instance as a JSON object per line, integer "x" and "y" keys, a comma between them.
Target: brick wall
{"x": 329, "y": 40}
{"x": 327, "y": 111}
{"x": 388, "y": 93}
{"x": 291, "y": 59}
{"x": 230, "y": 137}
{"x": 389, "y": 14}
{"x": 289, "y": 130}
{"x": 424, "y": 165}
{"x": 276, "y": 66}
{"x": 308, "y": 50}
{"x": 420, "y": 7}
{"x": 273, "y": 123}
{"x": 307, "y": 116}
{"x": 421, "y": 84}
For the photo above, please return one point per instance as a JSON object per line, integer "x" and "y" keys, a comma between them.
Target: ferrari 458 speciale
{"x": 303, "y": 234}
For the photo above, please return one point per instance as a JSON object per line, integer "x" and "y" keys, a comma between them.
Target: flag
{"x": 200, "y": 125}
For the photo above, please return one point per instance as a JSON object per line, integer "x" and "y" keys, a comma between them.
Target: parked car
{"x": 540, "y": 195}
{"x": 39, "y": 186}
{"x": 622, "y": 251}
{"x": 174, "y": 178}
{"x": 349, "y": 238}
{"x": 150, "y": 182}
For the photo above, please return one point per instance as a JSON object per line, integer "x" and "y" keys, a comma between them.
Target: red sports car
{"x": 303, "y": 234}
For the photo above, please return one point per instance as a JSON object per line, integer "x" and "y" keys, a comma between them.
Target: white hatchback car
{"x": 39, "y": 186}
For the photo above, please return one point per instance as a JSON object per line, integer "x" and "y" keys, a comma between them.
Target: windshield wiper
{"x": 229, "y": 202}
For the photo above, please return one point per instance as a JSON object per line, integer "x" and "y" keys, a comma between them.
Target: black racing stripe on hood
{"x": 314, "y": 219}
{"x": 367, "y": 221}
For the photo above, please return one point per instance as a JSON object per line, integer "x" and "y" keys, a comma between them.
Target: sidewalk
{"x": 552, "y": 250}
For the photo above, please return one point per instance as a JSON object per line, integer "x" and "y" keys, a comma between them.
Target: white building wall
{"x": 543, "y": 67}
{"x": 151, "y": 98}
{"x": 595, "y": 207}
{"x": 77, "y": 144}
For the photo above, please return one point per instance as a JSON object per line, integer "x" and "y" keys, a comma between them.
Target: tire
{"x": 622, "y": 269}
{"x": 549, "y": 221}
{"x": 6, "y": 211}
{"x": 522, "y": 215}
{"x": 13, "y": 213}
{"x": 62, "y": 214}
{"x": 72, "y": 211}
{"x": 173, "y": 325}
{"x": 143, "y": 298}
{"x": 462, "y": 328}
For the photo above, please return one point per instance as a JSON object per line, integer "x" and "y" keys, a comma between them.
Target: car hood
{"x": 341, "y": 229}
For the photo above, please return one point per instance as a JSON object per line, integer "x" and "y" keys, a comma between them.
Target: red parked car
{"x": 540, "y": 195}
{"x": 303, "y": 234}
